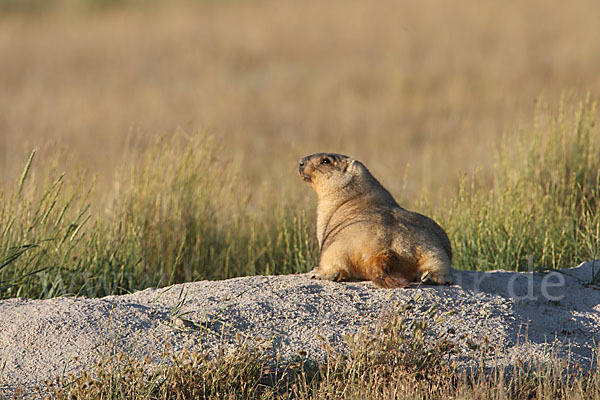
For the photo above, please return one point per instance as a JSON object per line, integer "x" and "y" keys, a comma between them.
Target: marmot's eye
{"x": 326, "y": 161}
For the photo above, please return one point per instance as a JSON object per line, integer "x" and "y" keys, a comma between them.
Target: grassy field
{"x": 430, "y": 86}
{"x": 145, "y": 143}
{"x": 166, "y": 137}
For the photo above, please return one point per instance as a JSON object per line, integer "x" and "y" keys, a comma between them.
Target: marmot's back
{"x": 364, "y": 234}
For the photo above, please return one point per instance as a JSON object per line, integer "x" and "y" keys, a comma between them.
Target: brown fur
{"x": 384, "y": 270}
{"x": 364, "y": 234}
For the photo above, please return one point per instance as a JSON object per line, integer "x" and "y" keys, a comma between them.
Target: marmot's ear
{"x": 349, "y": 164}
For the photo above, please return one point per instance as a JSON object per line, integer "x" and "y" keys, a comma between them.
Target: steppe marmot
{"x": 364, "y": 234}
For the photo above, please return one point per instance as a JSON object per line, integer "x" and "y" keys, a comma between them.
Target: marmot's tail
{"x": 384, "y": 270}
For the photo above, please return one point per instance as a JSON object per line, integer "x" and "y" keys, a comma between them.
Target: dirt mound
{"x": 40, "y": 339}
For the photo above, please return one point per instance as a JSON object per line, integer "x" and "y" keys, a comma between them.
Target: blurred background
{"x": 420, "y": 91}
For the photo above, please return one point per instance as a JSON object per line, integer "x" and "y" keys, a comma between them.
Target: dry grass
{"x": 431, "y": 84}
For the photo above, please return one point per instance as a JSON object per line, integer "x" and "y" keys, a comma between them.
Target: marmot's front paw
{"x": 312, "y": 274}
{"x": 317, "y": 273}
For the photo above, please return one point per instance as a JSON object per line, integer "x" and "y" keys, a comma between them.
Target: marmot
{"x": 364, "y": 234}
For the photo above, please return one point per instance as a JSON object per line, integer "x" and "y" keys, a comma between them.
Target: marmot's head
{"x": 327, "y": 172}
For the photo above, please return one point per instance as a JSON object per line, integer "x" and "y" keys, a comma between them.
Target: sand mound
{"x": 40, "y": 339}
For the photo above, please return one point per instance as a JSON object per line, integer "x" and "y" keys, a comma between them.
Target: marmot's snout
{"x": 301, "y": 168}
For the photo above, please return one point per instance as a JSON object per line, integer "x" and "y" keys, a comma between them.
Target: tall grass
{"x": 180, "y": 215}
{"x": 542, "y": 208}
{"x": 41, "y": 231}
{"x": 182, "y": 212}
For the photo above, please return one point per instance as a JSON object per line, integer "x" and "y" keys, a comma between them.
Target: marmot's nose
{"x": 301, "y": 165}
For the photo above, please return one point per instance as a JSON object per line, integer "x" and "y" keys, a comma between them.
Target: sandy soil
{"x": 519, "y": 313}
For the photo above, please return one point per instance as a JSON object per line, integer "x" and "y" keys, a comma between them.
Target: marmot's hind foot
{"x": 385, "y": 266}
{"x": 391, "y": 281}
{"x": 429, "y": 278}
